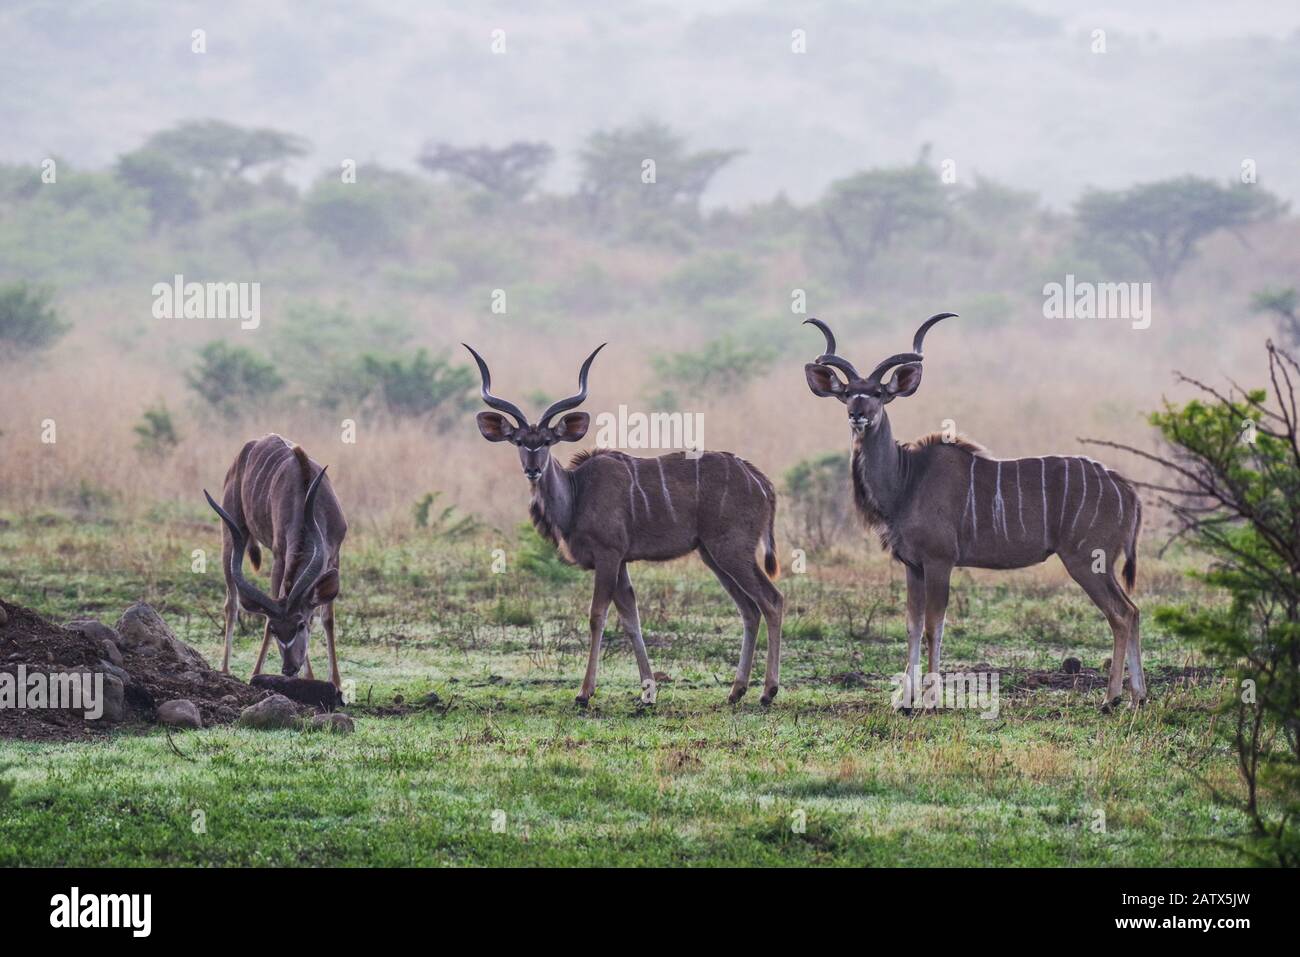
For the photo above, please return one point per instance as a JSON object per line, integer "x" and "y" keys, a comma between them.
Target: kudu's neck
{"x": 879, "y": 469}
{"x": 553, "y": 499}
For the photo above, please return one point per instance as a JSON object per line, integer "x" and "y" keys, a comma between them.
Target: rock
{"x": 111, "y": 669}
{"x": 97, "y": 631}
{"x": 277, "y": 711}
{"x": 335, "y": 723}
{"x": 431, "y": 700}
{"x": 114, "y": 699}
{"x": 229, "y": 699}
{"x": 143, "y": 632}
{"x": 180, "y": 713}
{"x": 1071, "y": 666}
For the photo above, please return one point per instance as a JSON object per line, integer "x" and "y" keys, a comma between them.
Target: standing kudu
{"x": 275, "y": 495}
{"x": 944, "y": 504}
{"x": 608, "y": 508}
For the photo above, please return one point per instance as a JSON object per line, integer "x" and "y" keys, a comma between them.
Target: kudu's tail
{"x": 770, "y": 563}
{"x": 1131, "y": 548}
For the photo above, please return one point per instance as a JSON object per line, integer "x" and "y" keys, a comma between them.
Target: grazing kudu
{"x": 940, "y": 504}
{"x": 608, "y": 508}
{"x": 275, "y": 495}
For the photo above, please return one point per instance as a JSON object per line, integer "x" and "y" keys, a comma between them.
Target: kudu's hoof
{"x": 582, "y": 702}
{"x": 768, "y": 695}
{"x": 736, "y": 695}
{"x": 1109, "y": 706}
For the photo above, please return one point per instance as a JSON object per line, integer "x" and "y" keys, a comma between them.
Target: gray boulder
{"x": 271, "y": 713}
{"x": 114, "y": 699}
{"x": 181, "y": 713}
{"x": 334, "y": 723}
{"x": 142, "y": 631}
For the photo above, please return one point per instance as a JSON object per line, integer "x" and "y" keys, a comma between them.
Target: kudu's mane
{"x": 937, "y": 438}
{"x": 869, "y": 509}
{"x": 545, "y": 523}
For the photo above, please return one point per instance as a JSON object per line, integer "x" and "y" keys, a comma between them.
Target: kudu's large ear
{"x": 824, "y": 381}
{"x": 905, "y": 380}
{"x": 494, "y": 426}
{"x": 325, "y": 589}
{"x": 572, "y": 427}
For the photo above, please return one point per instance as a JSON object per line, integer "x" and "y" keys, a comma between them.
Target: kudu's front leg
{"x": 910, "y": 693}
{"x": 232, "y": 616}
{"x": 327, "y": 622}
{"x": 625, "y": 602}
{"x": 277, "y": 579}
{"x": 936, "y": 607}
{"x": 606, "y": 582}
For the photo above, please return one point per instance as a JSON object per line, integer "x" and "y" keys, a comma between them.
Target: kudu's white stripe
{"x": 663, "y": 484}
{"x": 972, "y": 508}
{"x": 1118, "y": 495}
{"x": 636, "y": 480}
{"x": 1065, "y": 497}
{"x": 999, "y": 506}
{"x": 1042, "y": 473}
{"x": 1020, "y": 501}
{"x": 1083, "y": 471}
{"x": 1100, "y": 493}
{"x": 726, "y": 481}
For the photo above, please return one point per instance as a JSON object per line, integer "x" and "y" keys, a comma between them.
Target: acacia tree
{"x": 867, "y": 212}
{"x": 1162, "y": 222}
{"x": 510, "y": 172}
{"x": 612, "y": 171}
{"x": 223, "y": 150}
{"x": 1233, "y": 459}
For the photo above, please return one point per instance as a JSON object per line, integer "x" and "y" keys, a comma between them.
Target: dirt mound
{"x": 143, "y": 665}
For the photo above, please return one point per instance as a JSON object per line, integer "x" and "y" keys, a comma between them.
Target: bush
{"x": 711, "y": 276}
{"x": 820, "y": 499}
{"x": 1235, "y": 465}
{"x": 721, "y": 365}
{"x": 362, "y": 220}
{"x": 444, "y": 523}
{"x": 28, "y": 323}
{"x": 157, "y": 433}
{"x": 419, "y": 387}
{"x": 229, "y": 377}
{"x": 541, "y": 559}
{"x": 321, "y": 344}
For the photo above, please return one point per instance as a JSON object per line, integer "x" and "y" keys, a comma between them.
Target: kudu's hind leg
{"x": 749, "y": 614}
{"x": 625, "y": 602}
{"x": 1122, "y": 616}
{"x": 741, "y": 565}
{"x": 602, "y": 595}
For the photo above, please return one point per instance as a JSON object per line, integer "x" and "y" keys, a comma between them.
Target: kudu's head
{"x": 866, "y": 398}
{"x": 534, "y": 441}
{"x": 289, "y": 618}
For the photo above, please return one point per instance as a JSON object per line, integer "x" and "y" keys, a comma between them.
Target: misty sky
{"x": 1009, "y": 90}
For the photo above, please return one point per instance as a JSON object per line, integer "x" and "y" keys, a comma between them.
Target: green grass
{"x": 506, "y": 771}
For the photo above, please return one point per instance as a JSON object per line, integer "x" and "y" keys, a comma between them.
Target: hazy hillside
{"x": 1009, "y": 90}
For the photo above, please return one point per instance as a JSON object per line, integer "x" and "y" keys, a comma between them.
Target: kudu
{"x": 274, "y": 494}
{"x": 608, "y": 508}
{"x": 940, "y": 504}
